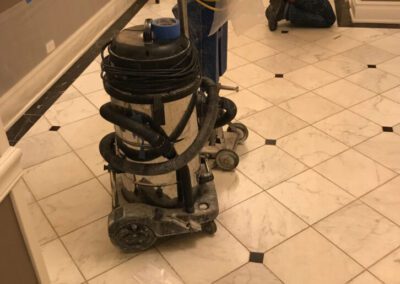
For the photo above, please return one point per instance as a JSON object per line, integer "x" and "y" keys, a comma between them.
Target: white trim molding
{"x": 379, "y": 12}
{"x": 10, "y": 170}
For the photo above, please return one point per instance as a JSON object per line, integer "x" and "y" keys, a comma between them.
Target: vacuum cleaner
{"x": 164, "y": 112}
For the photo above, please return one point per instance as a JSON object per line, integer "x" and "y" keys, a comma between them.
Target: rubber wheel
{"x": 209, "y": 228}
{"x": 132, "y": 237}
{"x": 241, "y": 130}
{"x": 227, "y": 160}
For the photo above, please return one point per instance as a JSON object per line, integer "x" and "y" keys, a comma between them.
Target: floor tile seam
{"x": 58, "y": 237}
{"x": 219, "y": 223}
{"x": 229, "y": 273}
{"x": 112, "y": 267}
{"x": 170, "y": 264}
{"x": 65, "y": 189}
{"x": 242, "y": 201}
{"x": 380, "y": 259}
{"x": 70, "y": 150}
{"x": 359, "y": 274}
{"x": 70, "y": 99}
{"x": 338, "y": 247}
{"x": 62, "y": 125}
{"x": 253, "y": 93}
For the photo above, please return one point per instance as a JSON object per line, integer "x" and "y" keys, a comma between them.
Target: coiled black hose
{"x": 107, "y": 144}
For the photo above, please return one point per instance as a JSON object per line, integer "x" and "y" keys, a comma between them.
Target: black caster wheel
{"x": 241, "y": 130}
{"x": 227, "y": 160}
{"x": 133, "y": 237}
{"x": 209, "y": 228}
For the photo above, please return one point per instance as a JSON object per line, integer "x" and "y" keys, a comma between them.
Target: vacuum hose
{"x": 107, "y": 144}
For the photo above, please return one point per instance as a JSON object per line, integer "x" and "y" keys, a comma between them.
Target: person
{"x": 304, "y": 13}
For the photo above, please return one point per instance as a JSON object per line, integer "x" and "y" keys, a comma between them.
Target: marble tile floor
{"x": 315, "y": 199}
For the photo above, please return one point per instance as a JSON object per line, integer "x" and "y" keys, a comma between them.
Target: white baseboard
{"x": 16, "y": 101}
{"x": 10, "y": 170}
{"x": 380, "y": 12}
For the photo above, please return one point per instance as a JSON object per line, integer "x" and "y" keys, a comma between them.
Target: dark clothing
{"x": 311, "y": 13}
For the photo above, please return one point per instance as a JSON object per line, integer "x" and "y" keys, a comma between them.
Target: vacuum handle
{"x": 183, "y": 17}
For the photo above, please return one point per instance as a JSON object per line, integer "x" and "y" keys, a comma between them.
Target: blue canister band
{"x": 165, "y": 29}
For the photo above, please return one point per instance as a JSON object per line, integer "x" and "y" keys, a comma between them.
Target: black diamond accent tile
{"x": 284, "y": 31}
{"x": 371, "y": 66}
{"x": 54, "y": 128}
{"x": 257, "y": 257}
{"x": 278, "y": 75}
{"x": 270, "y": 142}
{"x": 387, "y": 129}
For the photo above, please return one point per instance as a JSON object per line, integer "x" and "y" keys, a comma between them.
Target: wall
{"x": 29, "y": 32}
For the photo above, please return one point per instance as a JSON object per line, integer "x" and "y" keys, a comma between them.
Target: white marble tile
{"x": 59, "y": 264}
{"x": 348, "y": 127}
{"x": 354, "y": 172}
{"x": 278, "y": 90}
{"x": 375, "y": 80}
{"x": 365, "y": 278}
{"x": 367, "y": 35}
{"x": 391, "y": 66}
{"x": 310, "y": 196}
{"x": 311, "y": 53}
{"x": 311, "y": 34}
{"x": 254, "y": 141}
{"x": 383, "y": 111}
{"x": 248, "y": 75}
{"x": 40, "y": 126}
{"x": 311, "y": 77}
{"x": 340, "y": 65}
{"x": 275, "y": 123}
{"x": 311, "y": 146}
{"x": 232, "y": 188}
{"x": 235, "y": 41}
{"x": 383, "y": 148}
{"x": 105, "y": 181}
{"x": 361, "y": 232}
{"x": 393, "y": 94}
{"x": 386, "y": 200}
{"x": 88, "y": 83}
{"x": 216, "y": 255}
{"x": 390, "y": 44}
{"x": 70, "y": 93}
{"x": 280, "y": 63}
{"x": 260, "y": 32}
{"x": 41, "y": 147}
{"x": 344, "y": 93}
{"x": 56, "y": 174}
{"x": 91, "y": 156}
{"x": 92, "y": 249}
{"x": 70, "y": 111}
{"x": 388, "y": 269}
{"x": 247, "y": 103}
{"x": 148, "y": 267}
{"x": 254, "y": 51}
{"x": 93, "y": 67}
{"x": 310, "y": 258}
{"x": 98, "y": 98}
{"x": 26, "y": 192}
{"x": 264, "y": 222}
{"x": 368, "y": 54}
{"x": 86, "y": 131}
{"x": 77, "y": 206}
{"x": 338, "y": 43}
{"x": 284, "y": 42}
{"x": 301, "y": 105}
{"x": 264, "y": 166}
{"x": 235, "y": 61}
{"x": 251, "y": 273}
{"x": 44, "y": 232}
